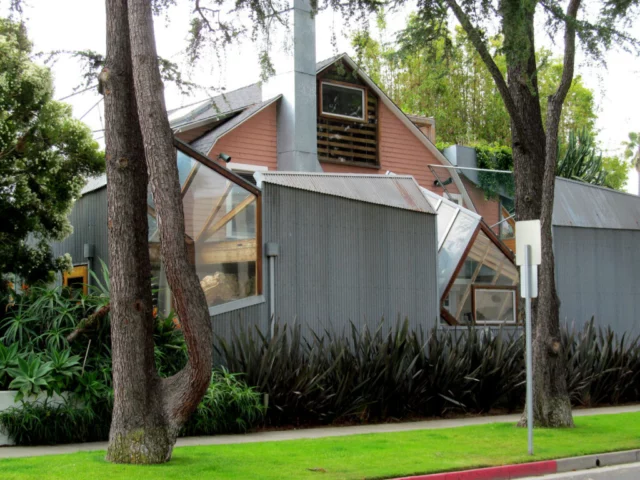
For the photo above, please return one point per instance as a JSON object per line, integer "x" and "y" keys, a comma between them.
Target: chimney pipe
{"x": 295, "y": 80}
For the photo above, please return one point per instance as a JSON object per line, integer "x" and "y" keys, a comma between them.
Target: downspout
{"x": 272, "y": 250}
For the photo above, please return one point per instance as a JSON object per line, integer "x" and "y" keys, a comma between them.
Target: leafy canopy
{"x": 446, "y": 79}
{"x": 45, "y": 155}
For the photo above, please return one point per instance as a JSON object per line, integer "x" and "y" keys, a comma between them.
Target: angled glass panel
{"x": 485, "y": 265}
{"x": 453, "y": 247}
{"x": 220, "y": 235}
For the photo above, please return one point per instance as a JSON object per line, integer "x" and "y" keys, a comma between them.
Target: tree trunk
{"x": 182, "y": 392}
{"x": 138, "y": 432}
{"x": 534, "y": 176}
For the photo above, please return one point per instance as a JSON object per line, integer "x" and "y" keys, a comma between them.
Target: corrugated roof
{"x": 234, "y": 100}
{"x": 94, "y": 183}
{"x": 579, "y": 204}
{"x": 398, "y": 191}
{"x": 206, "y": 142}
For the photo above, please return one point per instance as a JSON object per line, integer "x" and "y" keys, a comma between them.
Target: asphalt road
{"x": 630, "y": 471}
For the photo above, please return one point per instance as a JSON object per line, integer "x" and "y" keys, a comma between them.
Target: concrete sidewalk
{"x": 321, "y": 432}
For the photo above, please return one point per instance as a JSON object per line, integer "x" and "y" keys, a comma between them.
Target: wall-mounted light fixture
{"x": 223, "y": 156}
{"x": 438, "y": 183}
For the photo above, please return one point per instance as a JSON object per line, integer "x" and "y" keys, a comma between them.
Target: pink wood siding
{"x": 253, "y": 142}
{"x": 488, "y": 209}
{"x": 400, "y": 152}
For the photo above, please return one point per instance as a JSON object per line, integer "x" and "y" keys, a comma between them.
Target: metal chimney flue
{"x": 295, "y": 80}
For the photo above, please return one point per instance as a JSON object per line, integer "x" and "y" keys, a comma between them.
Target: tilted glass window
{"x": 343, "y": 101}
{"x": 220, "y": 235}
{"x": 485, "y": 266}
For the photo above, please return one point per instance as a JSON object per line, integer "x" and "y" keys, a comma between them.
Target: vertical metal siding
{"x": 89, "y": 220}
{"x": 345, "y": 261}
{"x": 597, "y": 276}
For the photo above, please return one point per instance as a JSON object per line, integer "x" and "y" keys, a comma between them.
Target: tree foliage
{"x": 632, "y": 149}
{"x": 45, "y": 155}
{"x": 446, "y": 79}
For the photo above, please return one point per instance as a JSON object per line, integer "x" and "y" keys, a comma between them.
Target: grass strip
{"x": 369, "y": 456}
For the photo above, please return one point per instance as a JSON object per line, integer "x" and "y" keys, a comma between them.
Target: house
{"x": 289, "y": 213}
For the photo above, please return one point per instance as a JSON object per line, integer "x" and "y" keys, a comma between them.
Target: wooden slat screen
{"x": 350, "y": 142}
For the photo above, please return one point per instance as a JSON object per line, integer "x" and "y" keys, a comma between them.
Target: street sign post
{"x": 528, "y": 257}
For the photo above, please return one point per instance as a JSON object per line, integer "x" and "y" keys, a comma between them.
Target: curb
{"x": 598, "y": 460}
{"x": 507, "y": 472}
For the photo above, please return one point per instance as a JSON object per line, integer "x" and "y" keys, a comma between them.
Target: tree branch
{"x": 569, "y": 53}
{"x": 481, "y": 47}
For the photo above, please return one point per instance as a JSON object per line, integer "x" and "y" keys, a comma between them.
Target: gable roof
{"x": 406, "y": 121}
{"x": 397, "y": 191}
{"x": 579, "y": 204}
{"x": 205, "y": 143}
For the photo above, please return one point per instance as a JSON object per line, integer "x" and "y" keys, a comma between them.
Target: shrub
{"x": 229, "y": 406}
{"x": 395, "y": 373}
{"x": 45, "y": 424}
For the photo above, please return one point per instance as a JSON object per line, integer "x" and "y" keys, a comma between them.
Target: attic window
{"x": 343, "y": 101}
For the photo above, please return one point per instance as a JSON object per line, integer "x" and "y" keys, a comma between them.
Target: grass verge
{"x": 371, "y": 456}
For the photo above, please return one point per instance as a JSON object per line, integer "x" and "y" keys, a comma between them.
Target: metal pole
{"x": 272, "y": 295}
{"x": 527, "y": 261}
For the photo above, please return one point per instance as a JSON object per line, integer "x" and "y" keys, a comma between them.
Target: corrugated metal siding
{"x": 581, "y": 205}
{"x": 597, "y": 273}
{"x": 342, "y": 260}
{"x": 89, "y": 220}
{"x": 239, "y": 321}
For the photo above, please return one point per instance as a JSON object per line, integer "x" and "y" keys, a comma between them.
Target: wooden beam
{"x": 346, "y": 145}
{"x": 348, "y": 129}
{"x": 339, "y": 136}
{"x": 214, "y": 211}
{"x": 231, "y": 251}
{"x": 349, "y": 154}
{"x": 473, "y": 279}
{"x": 227, "y": 218}
{"x": 189, "y": 180}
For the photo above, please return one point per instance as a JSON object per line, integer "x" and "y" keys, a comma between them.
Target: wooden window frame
{"x": 352, "y": 86}
{"x": 80, "y": 270}
{"x": 238, "y": 180}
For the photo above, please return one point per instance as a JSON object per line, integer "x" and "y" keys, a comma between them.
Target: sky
{"x": 80, "y": 25}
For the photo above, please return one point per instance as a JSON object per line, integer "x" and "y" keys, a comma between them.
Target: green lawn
{"x": 354, "y": 457}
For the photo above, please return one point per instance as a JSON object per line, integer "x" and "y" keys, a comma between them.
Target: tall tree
{"x": 148, "y": 411}
{"x": 535, "y": 142}
{"x": 45, "y": 155}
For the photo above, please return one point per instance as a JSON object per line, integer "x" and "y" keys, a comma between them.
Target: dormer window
{"x": 343, "y": 101}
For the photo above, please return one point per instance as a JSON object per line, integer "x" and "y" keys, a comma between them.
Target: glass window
{"x": 494, "y": 305}
{"x": 343, "y": 101}
{"x": 220, "y": 236}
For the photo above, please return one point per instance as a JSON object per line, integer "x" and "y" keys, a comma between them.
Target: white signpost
{"x": 528, "y": 257}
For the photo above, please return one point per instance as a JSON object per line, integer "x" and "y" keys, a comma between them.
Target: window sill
{"x": 236, "y": 305}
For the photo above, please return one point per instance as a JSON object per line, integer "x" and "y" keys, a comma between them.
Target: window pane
{"x": 453, "y": 247}
{"x": 338, "y": 100}
{"x": 494, "y": 305}
{"x": 220, "y": 236}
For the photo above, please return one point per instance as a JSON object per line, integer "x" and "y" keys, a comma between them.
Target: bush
{"x": 229, "y": 406}
{"x": 394, "y": 373}
{"x": 45, "y": 424}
